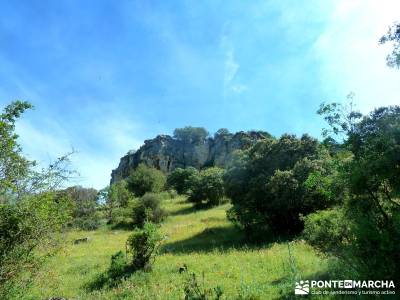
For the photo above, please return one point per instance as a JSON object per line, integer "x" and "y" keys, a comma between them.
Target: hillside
{"x": 203, "y": 240}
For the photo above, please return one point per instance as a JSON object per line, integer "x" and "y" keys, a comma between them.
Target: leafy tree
{"x": 84, "y": 211}
{"x": 393, "y": 36}
{"x": 370, "y": 212}
{"x": 222, "y": 132}
{"x": 14, "y": 167}
{"x": 341, "y": 117}
{"x": 117, "y": 199}
{"x": 31, "y": 216}
{"x": 145, "y": 179}
{"x": 268, "y": 185}
{"x": 180, "y": 179}
{"x": 191, "y": 134}
{"x": 207, "y": 186}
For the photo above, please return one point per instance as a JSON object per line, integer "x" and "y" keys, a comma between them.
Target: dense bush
{"x": 141, "y": 249}
{"x": 148, "y": 209}
{"x": 181, "y": 179}
{"x": 118, "y": 270}
{"x": 365, "y": 230}
{"x": 208, "y": 186}
{"x": 145, "y": 179}
{"x": 118, "y": 199}
{"x": 25, "y": 227}
{"x": 143, "y": 245}
{"x": 84, "y": 213}
{"x": 270, "y": 187}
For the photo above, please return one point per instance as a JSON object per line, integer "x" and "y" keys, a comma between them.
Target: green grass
{"x": 204, "y": 240}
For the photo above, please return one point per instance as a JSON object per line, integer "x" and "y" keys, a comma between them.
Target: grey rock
{"x": 81, "y": 240}
{"x": 167, "y": 153}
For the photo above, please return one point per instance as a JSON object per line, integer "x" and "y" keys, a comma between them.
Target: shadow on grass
{"x": 217, "y": 238}
{"x": 122, "y": 226}
{"x": 188, "y": 210}
{"x": 109, "y": 279}
{"x": 287, "y": 283}
{"x": 209, "y": 239}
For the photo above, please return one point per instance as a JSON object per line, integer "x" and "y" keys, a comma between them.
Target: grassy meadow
{"x": 203, "y": 240}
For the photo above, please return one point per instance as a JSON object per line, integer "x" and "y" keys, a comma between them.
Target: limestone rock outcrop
{"x": 167, "y": 153}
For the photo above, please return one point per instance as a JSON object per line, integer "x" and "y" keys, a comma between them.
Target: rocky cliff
{"x": 167, "y": 153}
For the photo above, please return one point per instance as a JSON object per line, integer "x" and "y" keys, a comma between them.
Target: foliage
{"x": 207, "y": 186}
{"x": 270, "y": 187}
{"x": 262, "y": 274}
{"x": 325, "y": 230}
{"x": 341, "y": 117}
{"x": 14, "y": 168}
{"x": 221, "y": 133}
{"x": 192, "y": 135}
{"x": 26, "y": 227}
{"x": 393, "y": 36}
{"x": 31, "y": 217}
{"x": 145, "y": 179}
{"x": 148, "y": 209}
{"x": 370, "y": 214}
{"x": 118, "y": 199}
{"x": 143, "y": 245}
{"x": 196, "y": 291}
{"x": 118, "y": 270}
{"x": 84, "y": 213}
{"x": 180, "y": 179}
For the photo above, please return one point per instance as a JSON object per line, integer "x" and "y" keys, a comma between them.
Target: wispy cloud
{"x": 231, "y": 69}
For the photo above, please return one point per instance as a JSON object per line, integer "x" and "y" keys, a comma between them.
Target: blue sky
{"x": 106, "y": 75}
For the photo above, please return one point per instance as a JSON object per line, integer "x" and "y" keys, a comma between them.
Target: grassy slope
{"x": 204, "y": 240}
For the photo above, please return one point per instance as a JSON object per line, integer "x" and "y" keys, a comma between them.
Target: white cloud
{"x": 352, "y": 59}
{"x": 231, "y": 69}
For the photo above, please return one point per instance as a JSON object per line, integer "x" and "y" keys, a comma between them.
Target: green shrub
{"x": 148, "y": 209}
{"x": 207, "y": 186}
{"x": 327, "y": 229}
{"x": 168, "y": 194}
{"x": 122, "y": 216}
{"x": 181, "y": 179}
{"x": 368, "y": 248}
{"x": 31, "y": 217}
{"x": 118, "y": 265}
{"x": 143, "y": 246}
{"x": 26, "y": 227}
{"x": 84, "y": 214}
{"x": 268, "y": 185}
{"x": 88, "y": 222}
{"x": 117, "y": 198}
{"x": 145, "y": 179}
{"x": 118, "y": 270}
{"x": 365, "y": 231}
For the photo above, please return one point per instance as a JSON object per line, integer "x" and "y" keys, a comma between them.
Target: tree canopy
{"x": 393, "y": 36}
{"x": 191, "y": 134}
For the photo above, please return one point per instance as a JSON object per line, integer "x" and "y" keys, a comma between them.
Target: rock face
{"x": 167, "y": 153}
